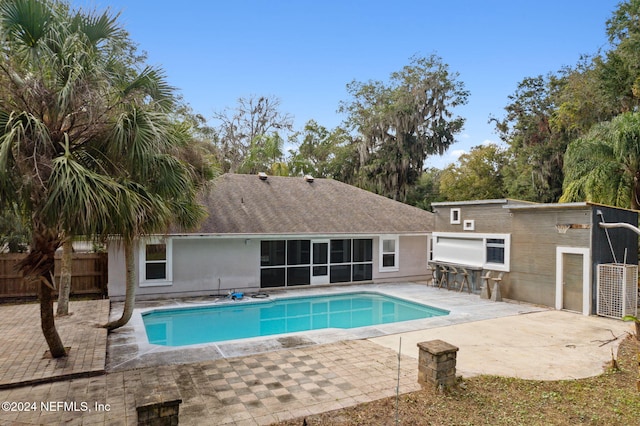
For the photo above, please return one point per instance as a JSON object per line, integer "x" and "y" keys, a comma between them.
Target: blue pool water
{"x": 205, "y": 324}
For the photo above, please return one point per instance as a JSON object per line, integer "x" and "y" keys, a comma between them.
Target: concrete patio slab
{"x": 548, "y": 345}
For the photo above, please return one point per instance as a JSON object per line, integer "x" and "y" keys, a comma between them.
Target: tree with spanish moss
{"x": 399, "y": 123}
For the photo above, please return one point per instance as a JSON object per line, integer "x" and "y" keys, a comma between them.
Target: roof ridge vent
{"x": 308, "y": 178}
{"x": 262, "y": 176}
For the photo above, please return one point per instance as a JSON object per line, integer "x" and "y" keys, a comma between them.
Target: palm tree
{"x": 169, "y": 181}
{"x": 72, "y": 102}
{"x": 604, "y": 165}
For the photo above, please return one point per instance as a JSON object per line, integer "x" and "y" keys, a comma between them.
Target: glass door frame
{"x": 320, "y": 278}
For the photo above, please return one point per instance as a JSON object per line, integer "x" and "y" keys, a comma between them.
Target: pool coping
{"x": 134, "y": 350}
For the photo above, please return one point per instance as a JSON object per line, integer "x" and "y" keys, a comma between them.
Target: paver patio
{"x": 24, "y": 357}
{"x": 254, "y": 390}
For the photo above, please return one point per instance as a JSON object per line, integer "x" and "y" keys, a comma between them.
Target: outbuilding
{"x": 547, "y": 254}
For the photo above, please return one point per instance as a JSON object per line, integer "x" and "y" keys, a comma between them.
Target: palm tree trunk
{"x": 130, "y": 292}
{"x": 47, "y": 322}
{"x": 39, "y": 266}
{"x": 65, "y": 277}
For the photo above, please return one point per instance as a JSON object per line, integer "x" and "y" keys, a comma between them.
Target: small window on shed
{"x": 455, "y": 217}
{"x": 495, "y": 250}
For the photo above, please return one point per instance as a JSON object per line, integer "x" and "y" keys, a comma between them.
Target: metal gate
{"x": 617, "y": 290}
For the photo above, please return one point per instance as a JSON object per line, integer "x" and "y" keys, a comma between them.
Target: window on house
{"x": 272, "y": 253}
{"x": 340, "y": 251}
{"x": 289, "y": 262}
{"x": 362, "y": 250}
{"x": 298, "y": 252}
{"x": 155, "y": 263}
{"x": 495, "y": 250}
{"x": 362, "y": 269}
{"x": 273, "y": 260}
{"x": 389, "y": 254}
{"x": 454, "y": 216}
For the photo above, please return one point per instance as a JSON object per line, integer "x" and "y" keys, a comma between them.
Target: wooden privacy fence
{"x": 88, "y": 276}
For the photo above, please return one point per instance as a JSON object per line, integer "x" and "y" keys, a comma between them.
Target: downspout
{"x": 620, "y": 225}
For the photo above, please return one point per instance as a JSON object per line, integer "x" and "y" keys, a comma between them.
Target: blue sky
{"x": 305, "y": 52}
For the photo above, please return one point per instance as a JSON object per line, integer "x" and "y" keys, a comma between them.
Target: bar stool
{"x": 434, "y": 275}
{"x": 453, "y": 270}
{"x": 465, "y": 280}
{"x": 496, "y": 296}
{"x": 444, "y": 280}
{"x": 485, "y": 293}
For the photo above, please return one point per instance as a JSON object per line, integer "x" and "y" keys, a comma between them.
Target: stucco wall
{"x": 209, "y": 266}
{"x": 412, "y": 260}
{"x": 205, "y": 266}
{"x": 216, "y": 265}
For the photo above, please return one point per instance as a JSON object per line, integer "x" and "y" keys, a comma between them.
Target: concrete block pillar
{"x": 437, "y": 364}
{"x": 160, "y": 413}
{"x": 158, "y": 406}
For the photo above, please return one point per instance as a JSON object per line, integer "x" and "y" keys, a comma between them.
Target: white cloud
{"x": 456, "y": 153}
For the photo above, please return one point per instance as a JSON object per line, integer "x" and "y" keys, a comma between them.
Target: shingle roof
{"x": 244, "y": 204}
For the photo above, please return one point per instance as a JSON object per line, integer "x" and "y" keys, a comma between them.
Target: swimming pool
{"x": 241, "y": 320}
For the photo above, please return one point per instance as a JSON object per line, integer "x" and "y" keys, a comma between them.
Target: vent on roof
{"x": 262, "y": 176}
{"x": 308, "y": 178}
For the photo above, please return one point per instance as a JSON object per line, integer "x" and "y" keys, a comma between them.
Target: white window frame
{"x": 396, "y": 253}
{"x": 506, "y": 266}
{"x": 469, "y": 225}
{"x": 455, "y": 216}
{"x": 142, "y": 256}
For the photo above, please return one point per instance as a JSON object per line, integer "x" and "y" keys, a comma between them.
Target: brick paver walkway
{"x": 24, "y": 355}
{"x": 253, "y": 390}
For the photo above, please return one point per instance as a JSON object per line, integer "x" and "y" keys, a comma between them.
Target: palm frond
{"x": 151, "y": 83}
{"x": 97, "y": 27}
{"x": 601, "y": 166}
{"x": 83, "y": 202}
{"x": 25, "y": 21}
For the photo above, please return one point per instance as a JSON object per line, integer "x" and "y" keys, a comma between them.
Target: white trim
{"x": 469, "y": 225}
{"x": 168, "y": 280}
{"x": 293, "y": 236}
{"x": 586, "y": 276}
{"x": 454, "y": 216}
{"x": 396, "y": 253}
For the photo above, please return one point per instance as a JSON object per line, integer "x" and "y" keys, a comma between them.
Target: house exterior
{"x": 549, "y": 253}
{"x": 267, "y": 231}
